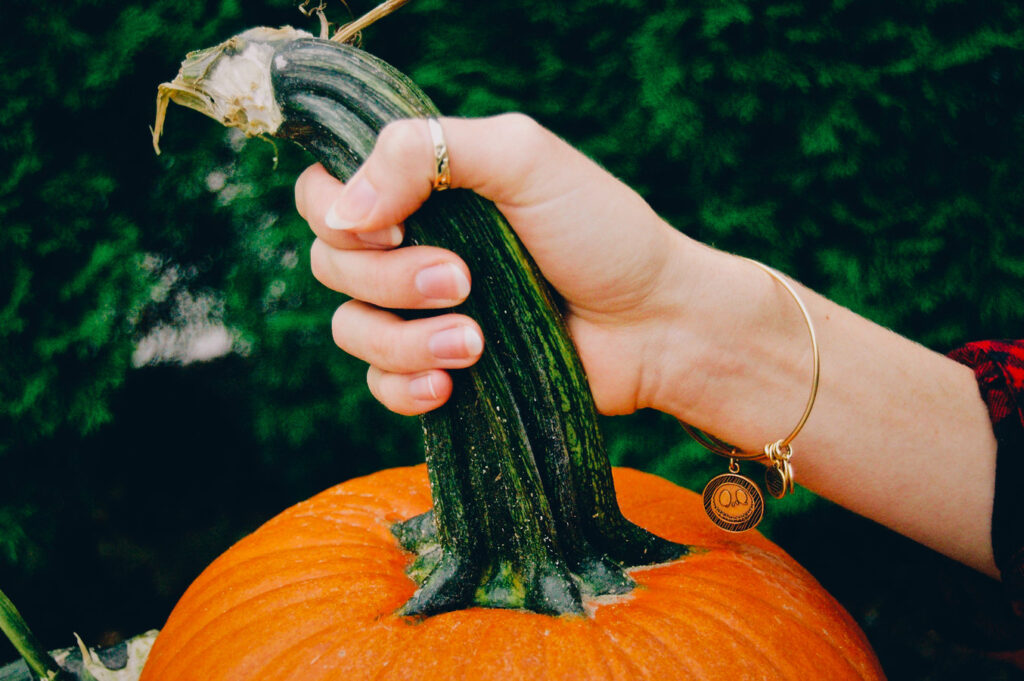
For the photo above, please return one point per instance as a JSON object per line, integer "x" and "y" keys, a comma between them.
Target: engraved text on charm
{"x": 733, "y": 502}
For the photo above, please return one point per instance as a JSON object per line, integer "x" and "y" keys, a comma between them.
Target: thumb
{"x": 509, "y": 159}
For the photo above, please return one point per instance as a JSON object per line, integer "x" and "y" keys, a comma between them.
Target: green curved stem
{"x": 525, "y": 513}
{"x": 524, "y": 506}
{"x": 25, "y": 642}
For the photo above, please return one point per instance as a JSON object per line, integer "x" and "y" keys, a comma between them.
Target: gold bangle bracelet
{"x": 732, "y": 501}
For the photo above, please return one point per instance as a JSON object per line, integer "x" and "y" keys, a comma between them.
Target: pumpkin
{"x": 313, "y": 594}
{"x": 510, "y": 556}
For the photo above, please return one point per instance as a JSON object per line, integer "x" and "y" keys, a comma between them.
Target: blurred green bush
{"x": 870, "y": 149}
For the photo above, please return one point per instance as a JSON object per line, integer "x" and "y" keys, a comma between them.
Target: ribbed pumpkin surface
{"x": 310, "y": 596}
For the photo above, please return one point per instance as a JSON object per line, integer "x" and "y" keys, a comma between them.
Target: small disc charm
{"x": 778, "y": 479}
{"x": 775, "y": 480}
{"x": 733, "y": 502}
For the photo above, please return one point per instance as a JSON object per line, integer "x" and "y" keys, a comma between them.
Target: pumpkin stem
{"x": 525, "y": 513}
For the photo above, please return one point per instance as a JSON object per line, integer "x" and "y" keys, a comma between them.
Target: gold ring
{"x": 442, "y": 166}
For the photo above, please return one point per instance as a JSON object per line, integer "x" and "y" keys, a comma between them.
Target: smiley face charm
{"x": 733, "y": 502}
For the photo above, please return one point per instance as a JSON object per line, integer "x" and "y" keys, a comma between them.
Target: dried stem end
{"x": 229, "y": 82}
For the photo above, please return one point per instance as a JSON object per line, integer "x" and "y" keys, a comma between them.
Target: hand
{"x": 615, "y": 262}
{"x": 898, "y": 433}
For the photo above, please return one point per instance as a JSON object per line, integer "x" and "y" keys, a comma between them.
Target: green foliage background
{"x": 871, "y": 149}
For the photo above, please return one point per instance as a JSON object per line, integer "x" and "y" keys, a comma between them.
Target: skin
{"x": 898, "y": 433}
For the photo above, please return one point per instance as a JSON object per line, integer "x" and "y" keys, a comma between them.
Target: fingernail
{"x": 422, "y": 388}
{"x": 442, "y": 282}
{"x": 456, "y": 343}
{"x": 354, "y": 204}
{"x": 392, "y": 236}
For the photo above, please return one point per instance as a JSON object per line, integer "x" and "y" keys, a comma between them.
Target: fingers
{"x": 558, "y": 201}
{"x": 509, "y": 159}
{"x": 315, "y": 191}
{"x": 410, "y": 394}
{"x": 407, "y": 358}
{"x": 392, "y": 344}
{"x": 417, "y": 277}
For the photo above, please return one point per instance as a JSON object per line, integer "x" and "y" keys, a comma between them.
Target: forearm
{"x": 898, "y": 433}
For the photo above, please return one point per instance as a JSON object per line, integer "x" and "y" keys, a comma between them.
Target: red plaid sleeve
{"x": 999, "y": 368}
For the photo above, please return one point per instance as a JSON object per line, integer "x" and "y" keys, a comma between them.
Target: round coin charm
{"x": 733, "y": 502}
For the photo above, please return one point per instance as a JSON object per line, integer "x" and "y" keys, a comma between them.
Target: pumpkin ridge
{"x": 391, "y": 548}
{"x": 621, "y": 655}
{"x": 578, "y": 639}
{"x": 733, "y": 587}
{"x": 482, "y": 635}
{"x": 272, "y": 663}
{"x": 752, "y": 644}
{"x": 302, "y": 643}
{"x": 218, "y": 619}
{"x": 256, "y": 549}
{"x": 256, "y": 552}
{"x": 344, "y": 641}
{"x": 656, "y": 639}
{"x": 389, "y": 669}
{"x": 692, "y": 591}
{"x": 595, "y": 652}
{"x": 202, "y": 596}
{"x": 344, "y": 502}
{"x": 370, "y": 531}
{"x": 201, "y": 660}
{"x": 698, "y": 596}
{"x": 341, "y": 516}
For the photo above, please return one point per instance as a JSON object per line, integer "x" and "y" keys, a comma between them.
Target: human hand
{"x": 659, "y": 321}
{"x": 627, "y": 277}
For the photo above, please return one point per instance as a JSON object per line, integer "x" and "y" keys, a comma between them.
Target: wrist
{"x": 734, "y": 357}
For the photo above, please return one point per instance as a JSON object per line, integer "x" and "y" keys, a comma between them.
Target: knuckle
{"x": 375, "y": 275}
{"x": 300, "y": 204}
{"x": 378, "y": 286}
{"x": 374, "y": 377}
{"x": 301, "y": 201}
{"x": 400, "y": 138}
{"x": 317, "y": 256}
{"x": 381, "y": 347}
{"x": 526, "y": 139}
{"x": 521, "y": 129}
{"x": 517, "y": 122}
{"x": 338, "y": 328}
{"x": 384, "y": 388}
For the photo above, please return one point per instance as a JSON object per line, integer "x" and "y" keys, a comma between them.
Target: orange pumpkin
{"x": 312, "y": 596}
